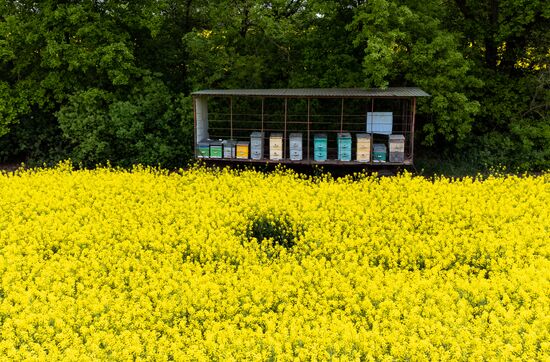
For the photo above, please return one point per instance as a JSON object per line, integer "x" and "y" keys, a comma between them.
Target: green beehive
{"x": 379, "y": 153}
{"x": 203, "y": 149}
{"x": 344, "y": 146}
{"x": 216, "y": 150}
{"x": 320, "y": 147}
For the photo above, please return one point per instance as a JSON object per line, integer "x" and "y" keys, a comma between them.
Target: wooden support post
{"x": 404, "y": 122}
{"x": 231, "y": 115}
{"x": 371, "y": 133}
{"x": 195, "y": 126}
{"x": 412, "y": 126}
{"x": 342, "y": 117}
{"x": 263, "y": 99}
{"x": 308, "y": 126}
{"x": 284, "y": 133}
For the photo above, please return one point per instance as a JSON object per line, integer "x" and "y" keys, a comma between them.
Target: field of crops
{"x": 118, "y": 265}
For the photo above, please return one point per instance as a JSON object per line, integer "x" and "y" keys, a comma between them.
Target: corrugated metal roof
{"x": 317, "y": 92}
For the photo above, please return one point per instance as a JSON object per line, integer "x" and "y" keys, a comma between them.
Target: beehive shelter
{"x": 307, "y": 126}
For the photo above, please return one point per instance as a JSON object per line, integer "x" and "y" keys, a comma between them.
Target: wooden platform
{"x": 307, "y": 162}
{"x": 335, "y": 167}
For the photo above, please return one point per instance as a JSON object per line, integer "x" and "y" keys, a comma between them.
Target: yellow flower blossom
{"x": 111, "y": 264}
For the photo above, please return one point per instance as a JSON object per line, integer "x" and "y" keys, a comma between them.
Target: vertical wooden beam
{"x": 412, "y": 126}
{"x": 308, "y": 126}
{"x": 404, "y": 120}
{"x": 263, "y": 99}
{"x": 195, "y": 126}
{"x": 404, "y": 126}
{"x": 342, "y": 117}
{"x": 284, "y": 133}
{"x": 231, "y": 115}
{"x": 371, "y": 129}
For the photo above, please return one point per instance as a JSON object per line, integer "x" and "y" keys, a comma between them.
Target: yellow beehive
{"x": 242, "y": 150}
{"x": 276, "y": 146}
{"x": 363, "y": 147}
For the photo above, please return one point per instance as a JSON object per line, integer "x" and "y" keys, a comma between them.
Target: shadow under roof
{"x": 398, "y": 92}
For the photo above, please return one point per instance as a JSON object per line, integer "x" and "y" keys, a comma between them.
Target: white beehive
{"x": 397, "y": 148}
{"x": 276, "y": 146}
{"x": 295, "y": 146}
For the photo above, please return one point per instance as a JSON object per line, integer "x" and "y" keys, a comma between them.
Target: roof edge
{"x": 395, "y": 92}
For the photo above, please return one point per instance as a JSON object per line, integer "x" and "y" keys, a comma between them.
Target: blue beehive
{"x": 295, "y": 146}
{"x": 229, "y": 148}
{"x": 344, "y": 146}
{"x": 320, "y": 147}
{"x": 257, "y": 145}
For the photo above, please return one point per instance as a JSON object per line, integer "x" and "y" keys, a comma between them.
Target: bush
{"x": 276, "y": 229}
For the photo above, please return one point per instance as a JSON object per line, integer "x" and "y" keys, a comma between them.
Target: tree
{"x": 510, "y": 42}
{"x": 405, "y": 43}
{"x": 78, "y": 78}
{"x": 141, "y": 125}
{"x": 53, "y": 54}
{"x": 284, "y": 43}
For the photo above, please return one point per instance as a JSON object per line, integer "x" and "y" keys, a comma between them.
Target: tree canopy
{"x": 110, "y": 80}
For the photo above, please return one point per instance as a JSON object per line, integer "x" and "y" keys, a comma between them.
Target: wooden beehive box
{"x": 276, "y": 146}
{"x": 364, "y": 141}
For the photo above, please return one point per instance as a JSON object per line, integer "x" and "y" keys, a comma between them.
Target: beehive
{"x": 229, "y": 148}
{"x": 203, "y": 149}
{"x": 397, "y": 148}
{"x": 380, "y": 122}
{"x": 379, "y": 153}
{"x": 320, "y": 144}
{"x": 216, "y": 149}
{"x": 295, "y": 146}
{"x": 344, "y": 146}
{"x": 276, "y": 146}
{"x": 257, "y": 145}
{"x": 242, "y": 150}
{"x": 363, "y": 147}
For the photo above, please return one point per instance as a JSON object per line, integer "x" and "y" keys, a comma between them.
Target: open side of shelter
{"x": 306, "y": 126}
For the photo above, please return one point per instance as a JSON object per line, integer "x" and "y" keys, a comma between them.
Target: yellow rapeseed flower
{"x": 112, "y": 264}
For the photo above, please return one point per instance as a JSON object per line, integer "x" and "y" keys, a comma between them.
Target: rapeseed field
{"x": 201, "y": 265}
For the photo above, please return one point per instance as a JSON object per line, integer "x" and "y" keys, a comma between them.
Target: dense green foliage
{"x": 110, "y": 80}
